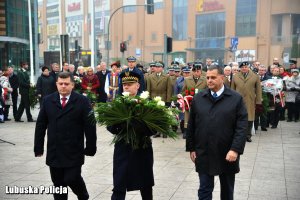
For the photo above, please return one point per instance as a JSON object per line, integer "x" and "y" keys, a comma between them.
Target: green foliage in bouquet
{"x": 77, "y": 87}
{"x": 128, "y": 110}
{"x": 33, "y": 98}
{"x": 91, "y": 96}
{"x": 265, "y": 103}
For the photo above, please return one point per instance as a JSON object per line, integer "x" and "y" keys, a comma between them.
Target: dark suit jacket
{"x": 214, "y": 128}
{"x": 102, "y": 77}
{"x": 66, "y": 129}
{"x": 24, "y": 82}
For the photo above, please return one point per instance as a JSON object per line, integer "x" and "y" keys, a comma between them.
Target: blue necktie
{"x": 215, "y": 95}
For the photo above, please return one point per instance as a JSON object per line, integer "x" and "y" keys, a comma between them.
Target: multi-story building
{"x": 14, "y": 31}
{"x": 260, "y": 29}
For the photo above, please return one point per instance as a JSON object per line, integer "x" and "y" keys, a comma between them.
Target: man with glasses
{"x": 261, "y": 118}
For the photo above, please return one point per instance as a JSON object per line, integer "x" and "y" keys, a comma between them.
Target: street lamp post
{"x": 108, "y": 45}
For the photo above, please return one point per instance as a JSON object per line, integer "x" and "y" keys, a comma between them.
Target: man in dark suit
{"x": 24, "y": 87}
{"x": 102, "y": 73}
{"x": 14, "y": 83}
{"x": 216, "y": 135}
{"x": 132, "y": 67}
{"x": 67, "y": 116}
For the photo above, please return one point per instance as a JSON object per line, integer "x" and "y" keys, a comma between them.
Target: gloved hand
{"x": 141, "y": 127}
{"x": 90, "y": 151}
{"x": 116, "y": 129}
{"x": 258, "y": 108}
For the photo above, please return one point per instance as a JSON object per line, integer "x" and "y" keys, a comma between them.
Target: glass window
{"x": 246, "y": 17}
{"x": 179, "y": 19}
{"x": 210, "y": 31}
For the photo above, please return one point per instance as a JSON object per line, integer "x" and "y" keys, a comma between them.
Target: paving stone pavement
{"x": 270, "y": 166}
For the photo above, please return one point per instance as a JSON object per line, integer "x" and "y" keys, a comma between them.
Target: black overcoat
{"x": 132, "y": 169}
{"x": 214, "y": 128}
{"x": 66, "y": 129}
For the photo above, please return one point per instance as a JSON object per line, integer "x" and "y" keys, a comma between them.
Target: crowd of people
{"x": 238, "y": 98}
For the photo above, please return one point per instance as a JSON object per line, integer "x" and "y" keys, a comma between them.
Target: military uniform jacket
{"x": 190, "y": 83}
{"x": 250, "y": 89}
{"x": 160, "y": 86}
{"x": 173, "y": 80}
{"x": 216, "y": 126}
{"x": 66, "y": 128}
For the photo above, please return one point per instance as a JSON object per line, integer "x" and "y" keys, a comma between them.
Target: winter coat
{"x": 215, "y": 127}
{"x": 292, "y": 88}
{"x": 66, "y": 129}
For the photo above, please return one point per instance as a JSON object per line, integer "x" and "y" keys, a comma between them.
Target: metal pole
{"x": 165, "y": 51}
{"x": 108, "y": 28}
{"x": 36, "y": 43}
{"x": 92, "y": 34}
{"x": 30, "y": 43}
{"x": 60, "y": 33}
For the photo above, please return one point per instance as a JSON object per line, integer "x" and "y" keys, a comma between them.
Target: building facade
{"x": 226, "y": 31}
{"x": 14, "y": 31}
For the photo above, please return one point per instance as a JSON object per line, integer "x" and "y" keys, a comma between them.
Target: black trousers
{"x": 275, "y": 116}
{"x": 146, "y": 194}
{"x": 24, "y": 104}
{"x": 14, "y": 98}
{"x": 293, "y": 110}
{"x": 261, "y": 120}
{"x": 71, "y": 177}
{"x": 249, "y": 129}
{"x": 207, "y": 186}
{"x": 6, "y": 111}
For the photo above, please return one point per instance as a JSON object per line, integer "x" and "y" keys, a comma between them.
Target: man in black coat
{"x": 216, "y": 135}
{"x": 101, "y": 74}
{"x": 14, "y": 83}
{"x": 67, "y": 116}
{"x": 132, "y": 168}
{"x": 24, "y": 87}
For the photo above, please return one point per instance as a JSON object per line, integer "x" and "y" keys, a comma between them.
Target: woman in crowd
{"x": 90, "y": 81}
{"x": 7, "y": 90}
{"x": 45, "y": 84}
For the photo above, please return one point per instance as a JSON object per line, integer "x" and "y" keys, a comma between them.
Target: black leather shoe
{"x": 264, "y": 129}
{"x": 249, "y": 140}
{"x": 7, "y": 119}
{"x": 1, "y": 121}
{"x": 31, "y": 120}
{"x": 18, "y": 120}
{"x": 289, "y": 120}
{"x": 273, "y": 127}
